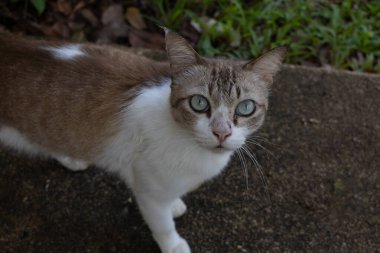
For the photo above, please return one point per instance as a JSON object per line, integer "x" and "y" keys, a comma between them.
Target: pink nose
{"x": 221, "y": 128}
{"x": 222, "y": 135}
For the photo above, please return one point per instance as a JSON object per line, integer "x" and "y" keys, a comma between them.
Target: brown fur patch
{"x": 69, "y": 106}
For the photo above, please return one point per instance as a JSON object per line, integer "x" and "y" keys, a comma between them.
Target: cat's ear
{"x": 180, "y": 53}
{"x": 268, "y": 64}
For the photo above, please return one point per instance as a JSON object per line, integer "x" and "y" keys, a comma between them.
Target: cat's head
{"x": 219, "y": 102}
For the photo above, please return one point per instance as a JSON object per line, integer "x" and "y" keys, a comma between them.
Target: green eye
{"x": 245, "y": 108}
{"x": 199, "y": 103}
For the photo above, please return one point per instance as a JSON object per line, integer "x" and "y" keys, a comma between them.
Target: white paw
{"x": 72, "y": 164}
{"x": 178, "y": 208}
{"x": 182, "y": 247}
{"x": 172, "y": 243}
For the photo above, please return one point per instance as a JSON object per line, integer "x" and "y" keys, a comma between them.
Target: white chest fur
{"x": 160, "y": 162}
{"x": 154, "y": 154}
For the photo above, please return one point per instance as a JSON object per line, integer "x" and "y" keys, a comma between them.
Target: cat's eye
{"x": 199, "y": 103}
{"x": 245, "y": 108}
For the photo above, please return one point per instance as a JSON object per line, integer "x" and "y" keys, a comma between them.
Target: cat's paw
{"x": 182, "y": 247}
{"x": 72, "y": 164}
{"x": 178, "y": 208}
{"x": 172, "y": 243}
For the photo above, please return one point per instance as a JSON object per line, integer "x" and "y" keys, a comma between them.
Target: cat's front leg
{"x": 178, "y": 208}
{"x": 71, "y": 163}
{"x": 158, "y": 215}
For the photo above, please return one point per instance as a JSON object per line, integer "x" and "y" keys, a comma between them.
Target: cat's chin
{"x": 221, "y": 150}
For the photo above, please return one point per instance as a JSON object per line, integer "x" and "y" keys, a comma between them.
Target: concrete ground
{"x": 322, "y": 194}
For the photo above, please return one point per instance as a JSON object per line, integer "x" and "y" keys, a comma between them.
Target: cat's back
{"x": 36, "y": 60}
{"x": 62, "y": 94}
{"x": 68, "y": 76}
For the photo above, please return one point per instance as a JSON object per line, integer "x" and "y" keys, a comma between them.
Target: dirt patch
{"x": 323, "y": 185}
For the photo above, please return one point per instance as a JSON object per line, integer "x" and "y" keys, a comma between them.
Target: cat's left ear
{"x": 180, "y": 53}
{"x": 268, "y": 64}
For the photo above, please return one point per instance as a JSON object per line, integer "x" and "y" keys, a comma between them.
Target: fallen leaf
{"x": 58, "y": 30}
{"x": 79, "y": 6}
{"x": 189, "y": 32}
{"x": 314, "y": 121}
{"x": 339, "y": 185}
{"x": 90, "y": 17}
{"x": 78, "y": 36}
{"x": 360, "y": 58}
{"x": 114, "y": 25}
{"x": 135, "y": 18}
{"x": 76, "y": 25}
{"x": 64, "y": 7}
{"x": 113, "y": 14}
{"x": 105, "y": 36}
{"x": 324, "y": 54}
{"x": 140, "y": 38}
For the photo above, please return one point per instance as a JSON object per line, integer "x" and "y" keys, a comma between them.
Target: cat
{"x": 164, "y": 127}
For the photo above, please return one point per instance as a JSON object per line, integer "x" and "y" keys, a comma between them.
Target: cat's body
{"x": 55, "y": 94}
{"x": 144, "y": 120}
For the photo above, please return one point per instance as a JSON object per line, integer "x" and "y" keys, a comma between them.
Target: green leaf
{"x": 40, "y": 5}
{"x": 339, "y": 185}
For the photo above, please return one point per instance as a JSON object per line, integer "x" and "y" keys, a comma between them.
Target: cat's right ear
{"x": 268, "y": 64}
{"x": 180, "y": 53}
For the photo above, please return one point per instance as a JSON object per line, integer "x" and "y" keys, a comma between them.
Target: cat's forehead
{"x": 227, "y": 82}
{"x": 223, "y": 82}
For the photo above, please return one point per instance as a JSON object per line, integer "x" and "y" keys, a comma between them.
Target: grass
{"x": 344, "y": 34}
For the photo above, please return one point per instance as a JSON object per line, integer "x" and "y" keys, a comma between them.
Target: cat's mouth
{"x": 216, "y": 147}
{"x": 220, "y": 149}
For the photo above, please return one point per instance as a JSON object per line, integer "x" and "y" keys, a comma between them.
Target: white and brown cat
{"x": 165, "y": 128}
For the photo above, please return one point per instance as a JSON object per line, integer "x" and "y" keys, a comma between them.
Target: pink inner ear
{"x": 268, "y": 64}
{"x": 181, "y": 54}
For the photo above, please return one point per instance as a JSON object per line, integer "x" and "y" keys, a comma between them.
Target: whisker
{"x": 244, "y": 165}
{"x": 260, "y": 146}
{"x": 258, "y": 168}
{"x": 262, "y": 139}
{"x": 256, "y": 139}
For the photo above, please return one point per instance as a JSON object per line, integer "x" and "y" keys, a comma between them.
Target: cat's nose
{"x": 222, "y": 135}
{"x": 221, "y": 128}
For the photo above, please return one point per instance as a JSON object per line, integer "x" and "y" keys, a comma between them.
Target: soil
{"x": 322, "y": 194}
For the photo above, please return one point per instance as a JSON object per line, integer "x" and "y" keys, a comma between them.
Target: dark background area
{"x": 342, "y": 34}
